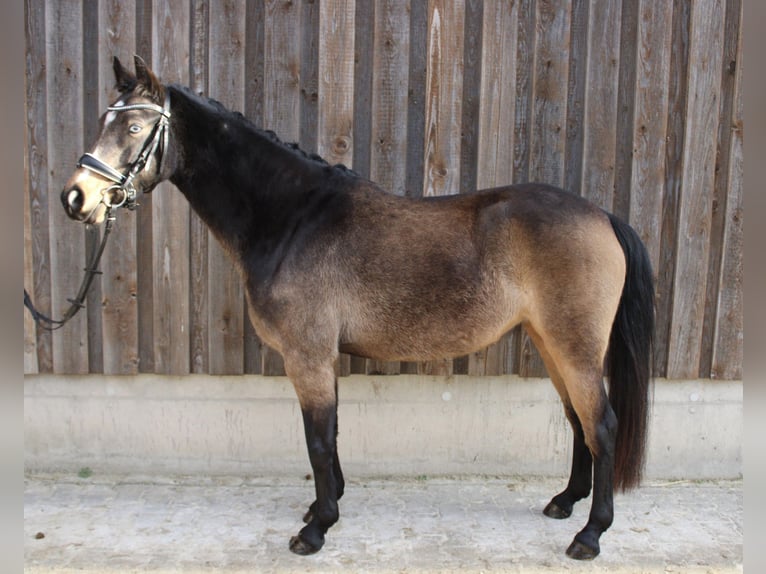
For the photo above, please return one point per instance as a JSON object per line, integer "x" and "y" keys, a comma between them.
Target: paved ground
{"x": 104, "y": 525}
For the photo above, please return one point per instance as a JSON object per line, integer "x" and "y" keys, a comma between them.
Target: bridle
{"x": 123, "y": 182}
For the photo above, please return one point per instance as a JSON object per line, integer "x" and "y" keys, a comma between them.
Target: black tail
{"x": 629, "y": 359}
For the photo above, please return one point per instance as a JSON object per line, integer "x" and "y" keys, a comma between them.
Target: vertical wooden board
{"x": 674, "y": 149}
{"x": 416, "y": 104}
{"x": 727, "y": 351}
{"x": 281, "y": 97}
{"x": 364, "y": 70}
{"x": 601, "y": 104}
{"x": 254, "y": 111}
{"x": 170, "y": 210}
{"x": 119, "y": 280}
{"x": 336, "y": 81}
{"x": 720, "y": 213}
{"x": 388, "y": 132}
{"x": 696, "y": 189}
{"x": 497, "y": 111}
{"x": 495, "y": 145}
{"x": 547, "y": 134}
{"x": 551, "y": 68}
{"x": 576, "y": 94}
{"x": 65, "y": 143}
{"x": 473, "y": 37}
{"x": 525, "y": 62}
{"x": 144, "y": 225}
{"x": 309, "y": 75}
{"x": 626, "y": 106}
{"x": 281, "y": 73}
{"x": 226, "y": 303}
{"x": 651, "y": 101}
{"x": 92, "y": 110}
{"x": 36, "y": 183}
{"x": 30, "y": 335}
{"x": 198, "y": 233}
{"x": 444, "y": 84}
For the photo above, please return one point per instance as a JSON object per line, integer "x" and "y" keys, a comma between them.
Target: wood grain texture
{"x": 199, "y": 296}
{"x": 226, "y": 296}
{"x": 65, "y": 144}
{"x": 443, "y": 111}
{"x": 37, "y": 279}
{"x": 119, "y": 289}
{"x": 699, "y": 159}
{"x": 599, "y": 153}
{"x": 650, "y": 123}
{"x": 170, "y": 210}
{"x": 629, "y": 102}
{"x": 727, "y": 341}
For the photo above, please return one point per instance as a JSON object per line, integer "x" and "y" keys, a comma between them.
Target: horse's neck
{"x": 241, "y": 182}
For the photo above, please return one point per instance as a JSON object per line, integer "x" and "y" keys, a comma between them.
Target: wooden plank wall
{"x": 634, "y": 104}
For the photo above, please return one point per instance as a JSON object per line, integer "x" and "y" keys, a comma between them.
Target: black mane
{"x": 270, "y": 135}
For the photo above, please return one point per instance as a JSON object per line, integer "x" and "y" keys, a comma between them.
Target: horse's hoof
{"x": 301, "y": 547}
{"x": 580, "y": 551}
{"x": 553, "y": 510}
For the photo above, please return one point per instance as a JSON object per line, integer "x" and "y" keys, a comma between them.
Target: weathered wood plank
{"x": 336, "y": 81}
{"x": 92, "y": 110}
{"x": 170, "y": 210}
{"x": 65, "y": 143}
{"x": 144, "y": 223}
{"x": 727, "y": 340}
{"x": 119, "y": 307}
{"x": 598, "y": 174}
{"x": 696, "y": 190}
{"x": 444, "y": 83}
{"x": 416, "y": 110}
{"x": 674, "y": 149}
{"x": 227, "y": 83}
{"x": 199, "y": 296}
{"x": 36, "y": 184}
{"x": 30, "y": 336}
{"x": 649, "y": 124}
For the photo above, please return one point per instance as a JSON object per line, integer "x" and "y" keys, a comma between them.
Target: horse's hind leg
{"x": 316, "y": 387}
{"x": 579, "y": 370}
{"x": 581, "y": 476}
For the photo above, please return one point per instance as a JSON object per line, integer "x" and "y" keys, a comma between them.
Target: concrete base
{"x": 398, "y": 425}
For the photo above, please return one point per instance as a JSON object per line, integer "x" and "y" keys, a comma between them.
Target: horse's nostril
{"x": 73, "y": 199}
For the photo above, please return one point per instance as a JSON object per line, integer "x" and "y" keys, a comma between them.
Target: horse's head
{"x": 126, "y": 157}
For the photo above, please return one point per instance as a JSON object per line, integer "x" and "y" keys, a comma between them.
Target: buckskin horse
{"x": 332, "y": 263}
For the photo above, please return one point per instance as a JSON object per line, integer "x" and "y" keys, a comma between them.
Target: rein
{"x": 91, "y": 270}
{"x": 122, "y": 182}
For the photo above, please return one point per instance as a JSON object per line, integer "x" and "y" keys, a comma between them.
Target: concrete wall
{"x": 398, "y": 425}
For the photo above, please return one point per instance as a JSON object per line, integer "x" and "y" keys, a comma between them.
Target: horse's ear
{"x": 148, "y": 81}
{"x": 124, "y": 80}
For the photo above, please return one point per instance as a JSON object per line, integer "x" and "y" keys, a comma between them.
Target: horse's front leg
{"x": 317, "y": 392}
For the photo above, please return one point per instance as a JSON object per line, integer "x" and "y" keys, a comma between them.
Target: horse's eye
{"x": 135, "y": 128}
